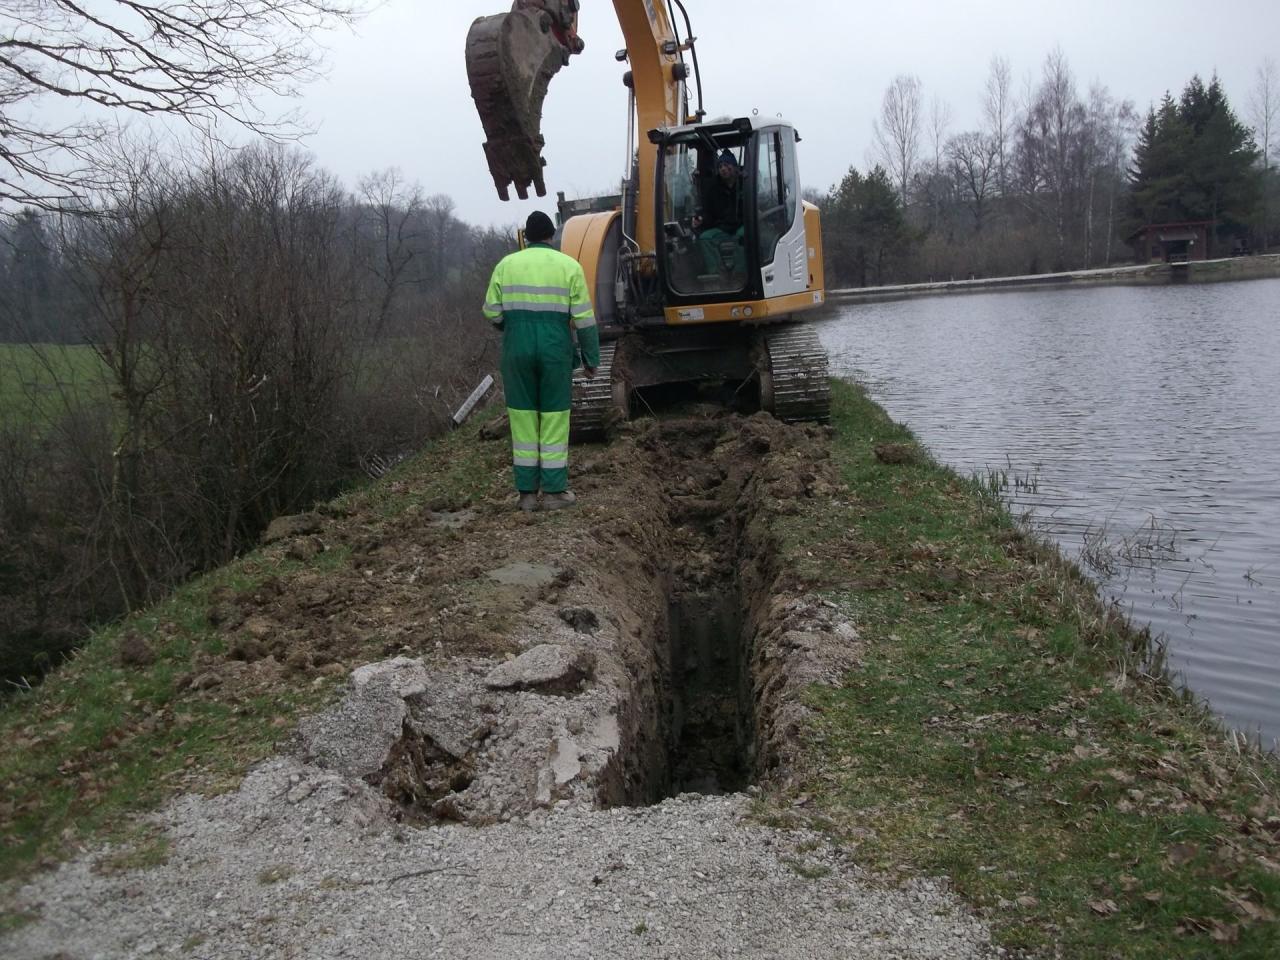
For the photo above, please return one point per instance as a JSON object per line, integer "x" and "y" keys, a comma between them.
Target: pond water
{"x": 1139, "y": 427}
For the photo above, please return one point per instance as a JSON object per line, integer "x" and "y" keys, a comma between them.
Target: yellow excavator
{"x": 699, "y": 266}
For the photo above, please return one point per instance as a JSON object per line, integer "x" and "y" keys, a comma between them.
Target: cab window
{"x": 768, "y": 195}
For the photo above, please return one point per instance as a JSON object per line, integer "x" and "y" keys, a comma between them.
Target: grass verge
{"x": 41, "y": 382}
{"x": 1002, "y": 730}
{"x": 160, "y": 704}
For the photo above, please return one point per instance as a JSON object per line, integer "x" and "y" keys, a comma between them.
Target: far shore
{"x": 1151, "y": 274}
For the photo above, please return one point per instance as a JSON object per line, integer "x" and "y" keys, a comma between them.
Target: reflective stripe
{"x": 550, "y": 291}
{"x": 583, "y": 323}
{"x": 555, "y": 448}
{"x": 535, "y": 306}
{"x": 524, "y": 429}
{"x": 525, "y": 447}
{"x": 553, "y": 434}
{"x": 525, "y": 461}
{"x": 581, "y": 307}
{"x": 493, "y": 308}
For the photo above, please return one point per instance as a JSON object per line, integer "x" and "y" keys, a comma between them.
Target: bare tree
{"x": 1050, "y": 139}
{"x": 393, "y": 208}
{"x": 939, "y": 123}
{"x": 974, "y": 162}
{"x": 1103, "y": 149}
{"x": 1264, "y": 111}
{"x": 997, "y": 106}
{"x": 199, "y": 60}
{"x": 897, "y": 131}
{"x": 441, "y": 224}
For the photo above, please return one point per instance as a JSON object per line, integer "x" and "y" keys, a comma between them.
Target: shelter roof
{"x": 1177, "y": 225}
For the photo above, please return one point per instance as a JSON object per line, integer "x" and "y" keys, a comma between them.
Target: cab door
{"x": 782, "y": 252}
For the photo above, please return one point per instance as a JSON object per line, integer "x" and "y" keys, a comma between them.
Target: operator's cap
{"x": 729, "y": 158}
{"x": 539, "y": 227}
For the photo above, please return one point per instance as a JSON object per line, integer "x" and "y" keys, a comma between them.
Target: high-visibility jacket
{"x": 538, "y": 297}
{"x": 541, "y": 284}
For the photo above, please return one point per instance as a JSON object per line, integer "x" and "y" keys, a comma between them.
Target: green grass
{"x": 99, "y": 741}
{"x": 41, "y": 382}
{"x": 468, "y": 471}
{"x": 1002, "y": 732}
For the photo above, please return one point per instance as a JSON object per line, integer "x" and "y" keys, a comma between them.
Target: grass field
{"x": 40, "y": 382}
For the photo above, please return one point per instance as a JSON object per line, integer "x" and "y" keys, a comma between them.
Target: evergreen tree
{"x": 27, "y": 299}
{"x": 867, "y": 231}
{"x": 1224, "y": 185}
{"x": 1158, "y": 179}
{"x": 1194, "y": 160}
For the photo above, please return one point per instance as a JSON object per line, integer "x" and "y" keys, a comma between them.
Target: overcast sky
{"x": 396, "y": 94}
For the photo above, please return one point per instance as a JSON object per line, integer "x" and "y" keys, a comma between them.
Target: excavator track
{"x": 596, "y": 403}
{"x": 795, "y": 385}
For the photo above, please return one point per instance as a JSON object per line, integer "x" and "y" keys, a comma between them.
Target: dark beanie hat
{"x": 539, "y": 227}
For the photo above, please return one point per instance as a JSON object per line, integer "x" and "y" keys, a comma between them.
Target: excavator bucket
{"x": 511, "y": 59}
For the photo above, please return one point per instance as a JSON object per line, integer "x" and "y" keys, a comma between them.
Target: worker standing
{"x": 538, "y": 298}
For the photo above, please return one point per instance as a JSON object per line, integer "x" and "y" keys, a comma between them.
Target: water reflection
{"x": 1139, "y": 427}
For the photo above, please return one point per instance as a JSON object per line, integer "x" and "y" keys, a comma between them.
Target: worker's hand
{"x": 589, "y": 372}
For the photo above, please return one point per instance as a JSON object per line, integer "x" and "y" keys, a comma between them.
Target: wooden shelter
{"x": 1173, "y": 242}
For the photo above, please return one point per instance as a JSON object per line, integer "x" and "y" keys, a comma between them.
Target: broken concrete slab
{"x": 356, "y": 737}
{"x": 546, "y": 668}
{"x": 565, "y": 764}
{"x": 521, "y": 574}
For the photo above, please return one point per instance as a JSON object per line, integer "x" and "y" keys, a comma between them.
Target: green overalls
{"x": 534, "y": 297}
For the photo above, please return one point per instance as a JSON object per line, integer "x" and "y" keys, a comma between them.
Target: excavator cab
{"x": 701, "y": 257}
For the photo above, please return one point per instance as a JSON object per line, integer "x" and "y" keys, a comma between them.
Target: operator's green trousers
{"x": 711, "y": 242}
{"x": 537, "y": 375}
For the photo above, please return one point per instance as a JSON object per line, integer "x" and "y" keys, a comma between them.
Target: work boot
{"x": 528, "y": 502}
{"x": 558, "y": 501}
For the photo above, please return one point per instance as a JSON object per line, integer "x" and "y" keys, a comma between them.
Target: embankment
{"x": 1154, "y": 274}
{"x": 420, "y": 716}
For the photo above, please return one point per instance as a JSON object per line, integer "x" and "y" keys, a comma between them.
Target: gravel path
{"x": 302, "y": 862}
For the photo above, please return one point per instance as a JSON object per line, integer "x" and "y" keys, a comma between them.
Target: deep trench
{"x": 708, "y": 709}
{"x": 690, "y": 722}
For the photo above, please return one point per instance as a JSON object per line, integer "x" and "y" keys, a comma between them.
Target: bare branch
{"x": 203, "y": 61}
{"x": 1264, "y": 108}
{"x": 897, "y": 131}
{"x": 998, "y": 108}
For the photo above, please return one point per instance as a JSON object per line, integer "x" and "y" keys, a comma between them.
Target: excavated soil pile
{"x": 642, "y": 646}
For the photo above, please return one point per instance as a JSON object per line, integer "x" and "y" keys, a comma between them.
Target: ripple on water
{"x": 1143, "y": 421}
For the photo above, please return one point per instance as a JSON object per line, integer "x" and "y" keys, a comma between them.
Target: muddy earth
{"x": 549, "y": 739}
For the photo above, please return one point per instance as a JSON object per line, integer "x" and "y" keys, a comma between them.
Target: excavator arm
{"x": 511, "y": 58}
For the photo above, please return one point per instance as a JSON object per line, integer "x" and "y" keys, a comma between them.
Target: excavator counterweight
{"x": 511, "y": 58}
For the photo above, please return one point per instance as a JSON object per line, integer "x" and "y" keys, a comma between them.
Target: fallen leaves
{"x": 1218, "y": 930}
{"x": 1182, "y": 853}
